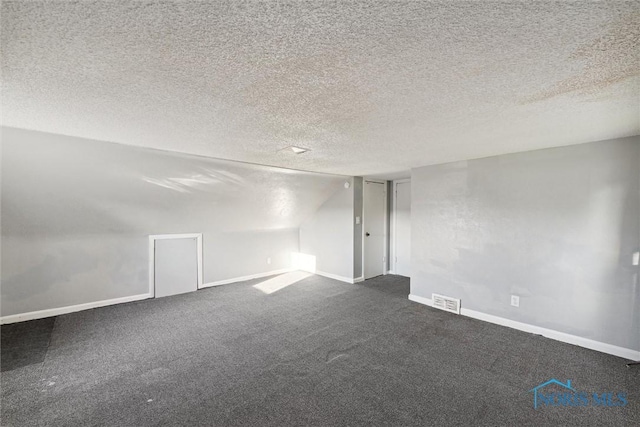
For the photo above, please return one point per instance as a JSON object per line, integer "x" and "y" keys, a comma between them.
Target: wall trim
{"x": 245, "y": 278}
{"x": 421, "y": 300}
{"x": 281, "y": 271}
{"x": 41, "y": 314}
{"x": 602, "y": 347}
{"x": 335, "y": 277}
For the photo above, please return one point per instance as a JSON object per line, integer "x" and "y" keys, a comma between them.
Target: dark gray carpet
{"x": 25, "y": 343}
{"x": 319, "y": 352}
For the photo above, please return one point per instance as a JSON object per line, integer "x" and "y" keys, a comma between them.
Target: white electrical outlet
{"x": 515, "y": 300}
{"x": 269, "y": 260}
{"x": 636, "y": 258}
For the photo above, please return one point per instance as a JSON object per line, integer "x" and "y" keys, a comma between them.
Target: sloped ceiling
{"x": 55, "y": 185}
{"x": 371, "y": 87}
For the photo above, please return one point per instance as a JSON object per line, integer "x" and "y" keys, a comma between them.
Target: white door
{"x": 402, "y": 235}
{"x": 175, "y": 266}
{"x": 374, "y": 228}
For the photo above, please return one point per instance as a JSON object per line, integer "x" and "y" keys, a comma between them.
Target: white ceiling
{"x": 371, "y": 87}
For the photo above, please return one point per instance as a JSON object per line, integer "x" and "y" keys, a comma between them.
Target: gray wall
{"x": 329, "y": 233}
{"x": 558, "y": 227}
{"x": 76, "y": 215}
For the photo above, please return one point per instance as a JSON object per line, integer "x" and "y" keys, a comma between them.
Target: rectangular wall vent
{"x": 446, "y": 303}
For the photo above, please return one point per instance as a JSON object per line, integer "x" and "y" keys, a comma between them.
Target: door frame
{"x": 385, "y": 261}
{"x": 392, "y": 252}
{"x": 152, "y": 256}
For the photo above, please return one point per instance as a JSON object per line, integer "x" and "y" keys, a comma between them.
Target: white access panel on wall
{"x": 176, "y": 264}
{"x": 402, "y": 228}
{"x": 374, "y": 227}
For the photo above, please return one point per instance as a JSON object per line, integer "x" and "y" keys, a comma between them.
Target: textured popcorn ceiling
{"x": 371, "y": 87}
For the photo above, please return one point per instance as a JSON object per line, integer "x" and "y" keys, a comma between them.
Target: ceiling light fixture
{"x": 297, "y": 150}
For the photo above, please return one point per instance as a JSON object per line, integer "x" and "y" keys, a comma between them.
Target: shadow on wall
{"x": 51, "y": 266}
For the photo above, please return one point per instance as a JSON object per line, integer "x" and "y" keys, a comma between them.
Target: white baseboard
{"x": 41, "y": 314}
{"x": 625, "y": 353}
{"x": 244, "y": 278}
{"x": 358, "y": 279}
{"x": 421, "y": 300}
{"x": 335, "y": 276}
